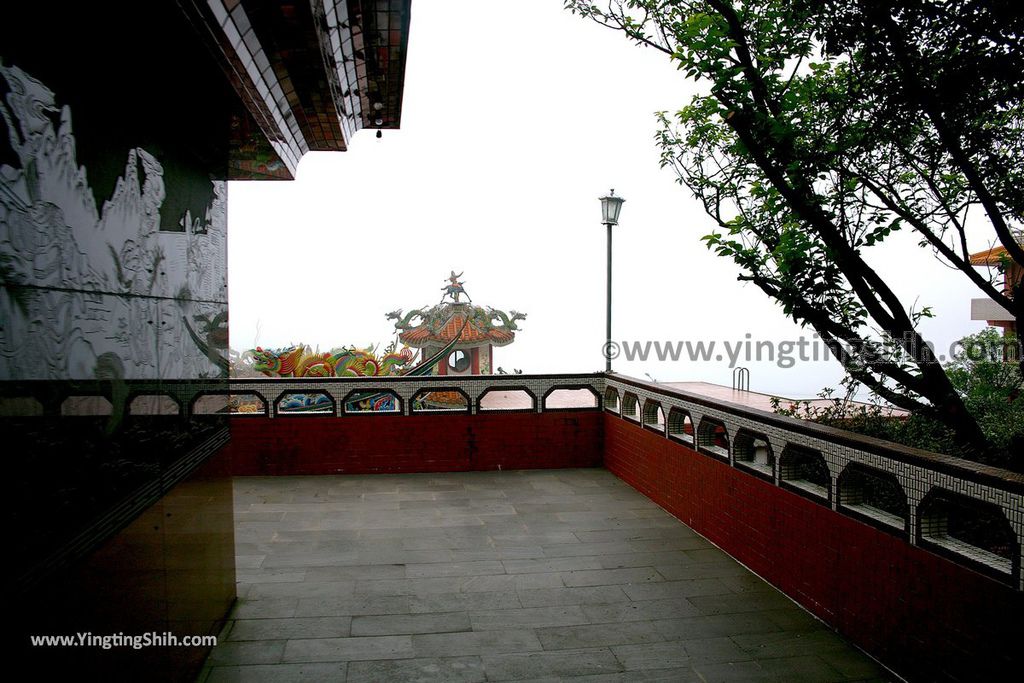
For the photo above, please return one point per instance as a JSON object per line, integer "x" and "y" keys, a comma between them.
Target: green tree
{"x": 814, "y": 142}
{"x": 989, "y": 384}
{"x": 992, "y": 387}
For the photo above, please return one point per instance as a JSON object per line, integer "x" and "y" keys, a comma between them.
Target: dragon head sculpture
{"x": 270, "y": 362}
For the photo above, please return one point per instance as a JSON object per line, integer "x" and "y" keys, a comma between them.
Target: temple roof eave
{"x": 460, "y": 323}
{"x": 989, "y": 257}
{"x": 418, "y": 341}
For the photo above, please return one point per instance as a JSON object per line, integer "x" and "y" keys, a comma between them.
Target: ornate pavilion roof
{"x": 453, "y": 319}
{"x": 444, "y": 322}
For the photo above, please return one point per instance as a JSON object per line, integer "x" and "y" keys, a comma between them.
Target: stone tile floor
{"x": 540, "y": 575}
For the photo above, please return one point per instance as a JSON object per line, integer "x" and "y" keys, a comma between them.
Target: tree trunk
{"x": 969, "y": 438}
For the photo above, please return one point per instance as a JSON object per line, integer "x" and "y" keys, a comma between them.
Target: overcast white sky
{"x": 517, "y": 117}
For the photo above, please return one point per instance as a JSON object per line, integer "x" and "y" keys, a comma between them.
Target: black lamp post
{"x": 610, "y": 208}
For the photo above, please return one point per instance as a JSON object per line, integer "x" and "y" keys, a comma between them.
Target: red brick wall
{"x": 415, "y": 443}
{"x": 922, "y": 615}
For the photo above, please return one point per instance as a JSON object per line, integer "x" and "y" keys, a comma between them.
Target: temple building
{"x": 464, "y": 332}
{"x": 121, "y": 124}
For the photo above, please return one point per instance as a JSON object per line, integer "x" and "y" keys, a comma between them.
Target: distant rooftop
{"x": 989, "y": 257}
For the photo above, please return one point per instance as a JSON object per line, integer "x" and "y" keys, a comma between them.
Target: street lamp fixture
{"x": 610, "y": 208}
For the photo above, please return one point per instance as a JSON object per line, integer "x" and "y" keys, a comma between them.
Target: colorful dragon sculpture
{"x": 301, "y": 361}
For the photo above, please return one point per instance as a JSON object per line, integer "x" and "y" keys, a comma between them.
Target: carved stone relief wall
{"x": 105, "y": 291}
